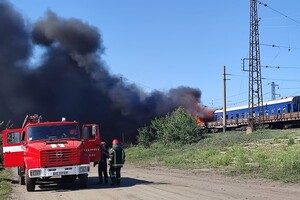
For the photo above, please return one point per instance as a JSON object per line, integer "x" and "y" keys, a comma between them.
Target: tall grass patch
{"x": 266, "y": 153}
{"x": 5, "y": 185}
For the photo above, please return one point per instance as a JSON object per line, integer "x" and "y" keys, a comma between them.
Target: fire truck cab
{"x": 44, "y": 150}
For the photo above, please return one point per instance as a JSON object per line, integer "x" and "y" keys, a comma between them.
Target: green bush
{"x": 177, "y": 127}
{"x": 146, "y": 136}
{"x": 261, "y": 158}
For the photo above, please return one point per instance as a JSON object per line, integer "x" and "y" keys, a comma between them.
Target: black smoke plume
{"x": 71, "y": 80}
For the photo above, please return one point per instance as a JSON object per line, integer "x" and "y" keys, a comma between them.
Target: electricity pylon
{"x": 255, "y": 98}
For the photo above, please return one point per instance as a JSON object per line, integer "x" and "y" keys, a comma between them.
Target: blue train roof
{"x": 276, "y": 101}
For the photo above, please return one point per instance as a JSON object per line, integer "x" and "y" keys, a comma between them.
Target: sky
{"x": 164, "y": 44}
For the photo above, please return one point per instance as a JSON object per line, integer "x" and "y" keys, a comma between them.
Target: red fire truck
{"x": 44, "y": 150}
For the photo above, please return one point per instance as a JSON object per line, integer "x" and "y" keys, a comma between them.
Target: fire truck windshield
{"x": 52, "y": 132}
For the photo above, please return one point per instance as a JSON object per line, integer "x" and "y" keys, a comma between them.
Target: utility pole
{"x": 255, "y": 97}
{"x": 224, "y": 98}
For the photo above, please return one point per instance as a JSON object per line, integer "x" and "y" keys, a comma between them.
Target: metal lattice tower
{"x": 273, "y": 90}
{"x": 255, "y": 86}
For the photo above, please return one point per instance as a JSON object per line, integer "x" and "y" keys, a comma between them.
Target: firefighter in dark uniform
{"x": 102, "y": 165}
{"x": 116, "y": 161}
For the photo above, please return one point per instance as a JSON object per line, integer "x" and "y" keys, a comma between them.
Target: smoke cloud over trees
{"x": 71, "y": 79}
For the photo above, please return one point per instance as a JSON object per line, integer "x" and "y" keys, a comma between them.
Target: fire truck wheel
{"x": 83, "y": 179}
{"x": 30, "y": 183}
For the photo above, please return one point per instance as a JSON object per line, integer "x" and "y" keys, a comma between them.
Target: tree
{"x": 177, "y": 127}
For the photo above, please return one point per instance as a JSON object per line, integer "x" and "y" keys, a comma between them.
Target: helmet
{"x": 72, "y": 131}
{"x": 103, "y": 143}
{"x": 115, "y": 141}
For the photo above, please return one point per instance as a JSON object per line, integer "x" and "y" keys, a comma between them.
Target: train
{"x": 279, "y": 113}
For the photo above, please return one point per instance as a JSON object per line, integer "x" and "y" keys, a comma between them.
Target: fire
{"x": 204, "y": 115}
{"x": 200, "y": 122}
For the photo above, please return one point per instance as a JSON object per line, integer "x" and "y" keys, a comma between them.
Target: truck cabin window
{"x": 52, "y": 132}
{"x": 13, "y": 138}
{"x": 89, "y": 132}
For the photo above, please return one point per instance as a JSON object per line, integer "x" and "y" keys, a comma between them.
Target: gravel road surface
{"x": 160, "y": 183}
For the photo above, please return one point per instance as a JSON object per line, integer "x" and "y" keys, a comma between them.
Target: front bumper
{"x": 58, "y": 171}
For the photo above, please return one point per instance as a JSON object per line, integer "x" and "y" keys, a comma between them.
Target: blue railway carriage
{"x": 270, "y": 109}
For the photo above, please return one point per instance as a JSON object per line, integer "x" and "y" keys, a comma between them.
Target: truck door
{"x": 13, "y": 152}
{"x": 91, "y": 136}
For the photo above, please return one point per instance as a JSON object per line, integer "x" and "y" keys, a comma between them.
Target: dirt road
{"x": 152, "y": 184}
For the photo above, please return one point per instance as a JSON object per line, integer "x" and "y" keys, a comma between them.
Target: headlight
{"x": 84, "y": 169}
{"x": 35, "y": 172}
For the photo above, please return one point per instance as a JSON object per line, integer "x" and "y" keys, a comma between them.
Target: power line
{"x": 278, "y": 67}
{"x": 278, "y": 46}
{"x": 290, "y": 88}
{"x": 266, "y": 5}
{"x": 287, "y": 80}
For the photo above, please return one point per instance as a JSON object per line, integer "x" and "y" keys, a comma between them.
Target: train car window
{"x": 243, "y": 115}
{"x": 284, "y": 110}
{"x": 231, "y": 116}
{"x": 272, "y": 111}
{"x": 219, "y": 118}
{"x": 278, "y": 111}
{"x": 266, "y": 112}
{"x": 237, "y": 116}
{"x": 253, "y": 114}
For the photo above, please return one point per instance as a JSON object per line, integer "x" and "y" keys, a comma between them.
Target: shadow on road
{"x": 13, "y": 181}
{"x": 125, "y": 182}
{"x": 58, "y": 186}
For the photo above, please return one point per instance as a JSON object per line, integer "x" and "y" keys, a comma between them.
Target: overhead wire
{"x": 286, "y": 16}
{"x": 288, "y": 80}
{"x": 290, "y": 18}
{"x": 266, "y": 66}
{"x": 278, "y": 67}
{"x": 278, "y": 46}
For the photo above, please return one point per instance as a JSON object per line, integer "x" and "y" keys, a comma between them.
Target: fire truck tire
{"x": 30, "y": 182}
{"x": 83, "y": 179}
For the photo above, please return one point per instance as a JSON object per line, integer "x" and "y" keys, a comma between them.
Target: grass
{"x": 5, "y": 185}
{"x": 272, "y": 154}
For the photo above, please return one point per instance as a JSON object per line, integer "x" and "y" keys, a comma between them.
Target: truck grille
{"x": 62, "y": 157}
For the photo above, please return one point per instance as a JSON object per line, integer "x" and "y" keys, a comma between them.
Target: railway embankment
{"x": 271, "y": 154}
